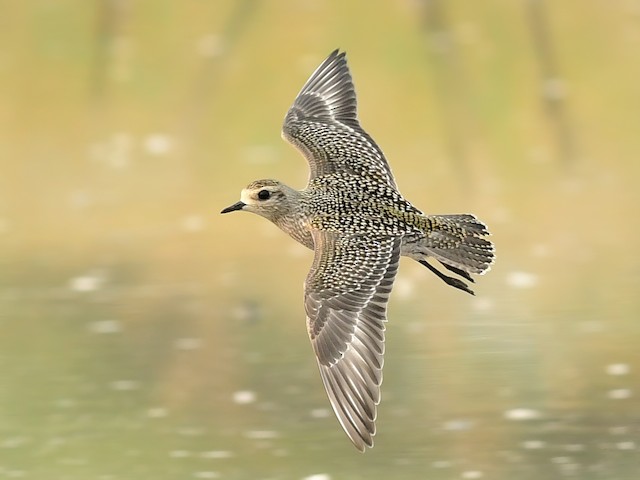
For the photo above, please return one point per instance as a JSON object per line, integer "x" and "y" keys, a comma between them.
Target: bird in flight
{"x": 358, "y": 224}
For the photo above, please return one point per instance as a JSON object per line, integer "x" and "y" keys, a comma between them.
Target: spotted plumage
{"x": 358, "y": 225}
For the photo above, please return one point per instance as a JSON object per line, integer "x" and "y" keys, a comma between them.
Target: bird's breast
{"x": 298, "y": 228}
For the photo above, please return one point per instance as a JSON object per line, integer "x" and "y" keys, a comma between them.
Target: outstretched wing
{"x": 346, "y": 294}
{"x": 323, "y": 125}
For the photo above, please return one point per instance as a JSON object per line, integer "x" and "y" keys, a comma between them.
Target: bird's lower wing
{"x": 346, "y": 295}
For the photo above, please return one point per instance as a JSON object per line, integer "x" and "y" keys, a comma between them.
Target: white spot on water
{"x": 441, "y": 464}
{"x": 179, "y": 454}
{"x": 533, "y": 444}
{"x": 520, "y": 414}
{"x": 560, "y": 460}
{"x": 574, "y": 447}
{"x": 522, "y": 280}
{"x": 261, "y": 434}
{"x": 318, "y": 476}
{"x": 569, "y": 469}
{"x": 320, "y": 413}
{"x": 244, "y": 397}
{"x": 105, "y": 326}
{"x": 87, "y": 283}
{"x": 469, "y": 474}
{"x": 188, "y": 343}
{"x": 619, "y": 430}
{"x": 619, "y": 393}
{"x": 217, "y": 454}
{"x": 157, "y": 412}
{"x": 629, "y": 445}
{"x": 618, "y": 369}
{"x": 125, "y": 385}
{"x": 458, "y": 425}
{"x": 158, "y": 144}
{"x": 206, "y": 475}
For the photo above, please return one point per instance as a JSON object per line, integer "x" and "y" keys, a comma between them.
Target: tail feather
{"x": 470, "y": 222}
{"x": 457, "y": 241}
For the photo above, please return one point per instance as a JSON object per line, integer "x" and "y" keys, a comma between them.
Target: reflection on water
{"x": 143, "y": 336}
{"x": 107, "y": 379}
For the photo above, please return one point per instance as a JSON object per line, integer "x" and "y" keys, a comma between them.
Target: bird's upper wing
{"x": 346, "y": 294}
{"x": 322, "y": 123}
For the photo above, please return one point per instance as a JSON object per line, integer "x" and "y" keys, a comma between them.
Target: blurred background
{"x": 145, "y": 336}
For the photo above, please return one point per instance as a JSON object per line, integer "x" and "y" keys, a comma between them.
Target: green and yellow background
{"x": 145, "y": 336}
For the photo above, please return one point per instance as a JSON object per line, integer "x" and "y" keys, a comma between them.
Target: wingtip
{"x": 337, "y": 56}
{"x": 362, "y": 444}
{"x": 328, "y": 94}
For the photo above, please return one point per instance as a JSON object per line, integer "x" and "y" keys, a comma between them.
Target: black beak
{"x": 234, "y": 207}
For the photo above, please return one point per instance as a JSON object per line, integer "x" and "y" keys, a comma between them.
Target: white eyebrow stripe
{"x": 245, "y": 196}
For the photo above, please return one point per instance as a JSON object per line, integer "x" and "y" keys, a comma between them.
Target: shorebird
{"x": 353, "y": 217}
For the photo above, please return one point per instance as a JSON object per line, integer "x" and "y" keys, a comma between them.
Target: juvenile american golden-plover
{"x": 353, "y": 217}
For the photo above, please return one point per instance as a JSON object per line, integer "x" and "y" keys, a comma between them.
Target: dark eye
{"x": 264, "y": 194}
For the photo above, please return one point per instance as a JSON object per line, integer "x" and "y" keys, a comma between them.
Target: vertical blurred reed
{"x": 448, "y": 84}
{"x": 205, "y": 81}
{"x": 553, "y": 88}
{"x": 110, "y": 18}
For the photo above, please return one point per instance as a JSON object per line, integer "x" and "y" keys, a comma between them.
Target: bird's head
{"x": 268, "y": 198}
